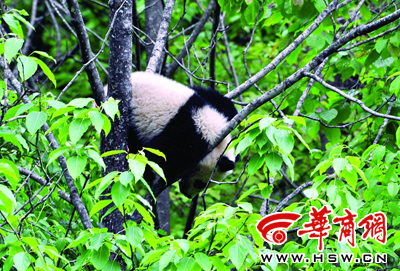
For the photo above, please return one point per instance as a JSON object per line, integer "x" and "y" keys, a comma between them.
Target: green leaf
{"x": 99, "y": 206}
{"x": 82, "y": 238}
{"x": 156, "y": 152}
{"x": 339, "y": 164}
{"x": 393, "y": 189}
{"x": 157, "y": 169}
{"x": 378, "y": 154}
{"x": 46, "y": 70}
{"x": 22, "y": 20}
{"x": 107, "y": 124}
{"x": 22, "y": 141}
{"x": 243, "y": 145}
{"x": 119, "y": 193}
{"x": 11, "y": 172}
{"x": 322, "y": 167}
{"x": 105, "y": 182}
{"x": 134, "y": 235}
{"x": 77, "y": 128}
{"x": 186, "y": 263}
{"x": 23, "y": 109}
{"x": 255, "y": 163}
{"x": 22, "y": 261}
{"x": 61, "y": 121}
{"x": 265, "y": 122}
{"x": 126, "y": 177}
{"x": 109, "y": 153}
{"x": 380, "y": 45}
{"x": 62, "y": 111}
{"x": 80, "y": 102}
{"x": 11, "y": 48}
{"x": 100, "y": 257}
{"x": 14, "y": 24}
{"x": 237, "y": 254}
{"x": 166, "y": 259}
{"x": 75, "y": 165}
{"x": 56, "y": 153}
{"x": 56, "y": 104}
{"x": 96, "y": 157}
{"x": 395, "y": 86}
{"x": 203, "y": 260}
{"x": 398, "y": 137}
{"x": 34, "y": 121}
{"x": 13, "y": 140}
{"x": 146, "y": 214}
{"x": 137, "y": 167}
{"x": 7, "y": 200}
{"x": 284, "y": 140}
{"x": 44, "y": 54}
{"x": 111, "y": 107}
{"x": 97, "y": 239}
{"x": 97, "y": 120}
{"x": 273, "y": 162}
{"x": 27, "y": 67}
{"x": 329, "y": 115}
{"x": 112, "y": 266}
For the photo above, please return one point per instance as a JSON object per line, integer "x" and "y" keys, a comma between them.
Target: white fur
{"x": 155, "y": 101}
{"x": 209, "y": 123}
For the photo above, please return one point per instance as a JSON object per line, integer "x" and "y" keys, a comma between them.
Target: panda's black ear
{"x": 225, "y": 164}
{"x": 237, "y": 158}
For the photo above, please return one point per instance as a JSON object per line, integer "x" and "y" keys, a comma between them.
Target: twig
{"x": 199, "y": 27}
{"x": 385, "y": 122}
{"x": 369, "y": 39}
{"x": 43, "y": 182}
{"x": 291, "y": 195}
{"x": 351, "y": 98}
{"x": 282, "y": 56}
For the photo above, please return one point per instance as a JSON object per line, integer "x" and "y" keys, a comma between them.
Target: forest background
{"x": 315, "y": 83}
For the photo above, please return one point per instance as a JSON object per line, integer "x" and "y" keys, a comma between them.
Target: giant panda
{"x": 181, "y": 122}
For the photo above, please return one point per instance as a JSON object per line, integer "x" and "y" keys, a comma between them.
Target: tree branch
{"x": 86, "y": 50}
{"x": 351, "y": 98}
{"x": 43, "y": 182}
{"x": 162, "y": 37}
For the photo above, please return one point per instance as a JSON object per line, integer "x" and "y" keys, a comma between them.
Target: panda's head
{"x": 197, "y": 180}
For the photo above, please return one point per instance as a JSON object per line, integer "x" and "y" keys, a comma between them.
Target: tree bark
{"x": 119, "y": 87}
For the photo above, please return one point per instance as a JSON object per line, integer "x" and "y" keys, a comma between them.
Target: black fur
{"x": 181, "y": 143}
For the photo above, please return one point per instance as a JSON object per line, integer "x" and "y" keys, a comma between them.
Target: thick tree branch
{"x": 162, "y": 37}
{"x": 213, "y": 45}
{"x": 87, "y": 54}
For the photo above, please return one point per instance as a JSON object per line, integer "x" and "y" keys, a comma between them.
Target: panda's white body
{"x": 181, "y": 122}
